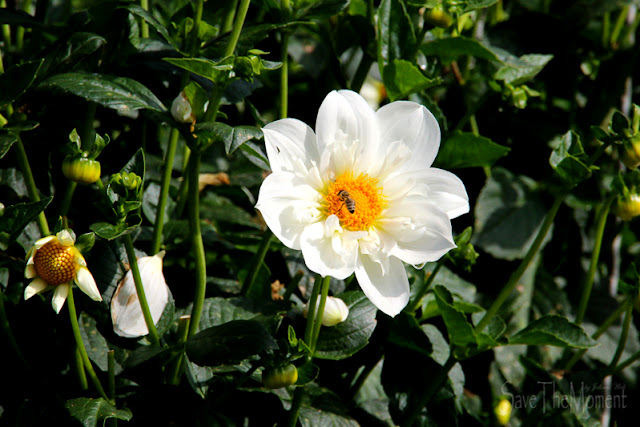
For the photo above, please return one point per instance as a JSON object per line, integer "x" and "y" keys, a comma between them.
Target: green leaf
{"x": 229, "y": 343}
{"x": 17, "y": 79}
{"x": 95, "y": 344}
{"x": 464, "y": 340}
{"x": 255, "y": 155}
{"x": 320, "y": 9}
{"x": 346, "y": 338}
{"x": 405, "y": 332}
{"x": 68, "y": 52}
{"x": 307, "y": 373}
{"x": 553, "y": 330}
{"x": 118, "y": 93}
{"x": 466, "y": 150}
{"x": 94, "y": 412}
{"x": 16, "y": 217}
{"x": 402, "y": 78}
{"x": 139, "y": 11}
{"x": 215, "y": 71}
{"x": 509, "y": 213}
{"x": 396, "y": 37}
{"x": 569, "y": 160}
{"x": 6, "y": 141}
{"x": 218, "y": 311}
{"x": 322, "y": 407}
{"x": 469, "y": 5}
{"x": 439, "y": 347}
{"x": 521, "y": 70}
{"x": 451, "y": 48}
{"x": 232, "y": 137}
{"x": 109, "y": 231}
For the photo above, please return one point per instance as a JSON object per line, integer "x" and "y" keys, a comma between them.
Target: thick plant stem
{"x": 595, "y": 255}
{"x": 257, "y": 262}
{"x": 284, "y": 77}
{"x": 26, "y": 6}
{"x": 68, "y": 196}
{"x": 317, "y": 323}
{"x": 237, "y": 27}
{"x": 632, "y": 359}
{"x": 294, "y": 412}
{"x": 196, "y": 242}
{"x": 83, "y": 351}
{"x": 311, "y": 314}
{"x": 111, "y": 369}
{"x": 135, "y": 271}
{"x": 164, "y": 191}
{"x": 413, "y": 305}
{"x": 227, "y": 24}
{"x": 80, "y": 372}
{"x": 531, "y": 253}
{"x": 144, "y": 27}
{"x": 31, "y": 184}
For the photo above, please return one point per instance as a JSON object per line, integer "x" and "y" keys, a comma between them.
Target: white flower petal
{"x": 320, "y": 255}
{"x": 41, "y": 242}
{"x": 86, "y": 282}
{"x": 65, "y": 238}
{"x": 35, "y": 287}
{"x": 389, "y": 292}
{"x": 445, "y": 190}
{"x": 30, "y": 271}
{"x": 335, "y": 311}
{"x": 414, "y": 125}
{"x": 60, "y": 296}
{"x": 126, "y": 313}
{"x": 288, "y": 141}
{"x": 345, "y": 116}
{"x": 287, "y": 206}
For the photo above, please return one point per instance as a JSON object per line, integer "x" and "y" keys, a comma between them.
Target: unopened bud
{"x": 181, "y": 109}
{"x": 628, "y": 207}
{"x": 631, "y": 152}
{"x": 335, "y": 311}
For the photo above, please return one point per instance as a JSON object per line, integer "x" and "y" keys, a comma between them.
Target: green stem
{"x": 6, "y": 34}
{"x": 144, "y": 27}
{"x": 196, "y": 241}
{"x": 193, "y": 44}
{"x": 144, "y": 305}
{"x": 257, "y": 262}
{"x": 80, "y": 345}
{"x": 413, "y": 306}
{"x": 227, "y": 24}
{"x": 601, "y": 330}
{"x": 237, "y": 27}
{"x": 111, "y": 369}
{"x": 23, "y": 161}
{"x": 164, "y": 191}
{"x": 601, "y": 221}
{"x": 606, "y": 28}
{"x": 292, "y": 285}
{"x": 26, "y": 6}
{"x": 320, "y": 312}
{"x": 80, "y": 372}
{"x": 633, "y": 358}
{"x": 531, "y": 253}
{"x": 430, "y": 391}
{"x": 294, "y": 412}
{"x": 311, "y": 314}
{"x": 183, "y": 331}
{"x": 617, "y": 28}
{"x": 284, "y": 76}
{"x": 622, "y": 342}
{"x": 68, "y": 196}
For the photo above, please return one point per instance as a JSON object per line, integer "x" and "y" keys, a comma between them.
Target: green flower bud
{"x": 81, "y": 169}
{"x": 280, "y": 376}
{"x": 131, "y": 181}
{"x": 438, "y": 17}
{"x": 503, "y": 412}
{"x": 628, "y": 207}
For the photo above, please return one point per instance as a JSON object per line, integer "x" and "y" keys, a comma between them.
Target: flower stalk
{"x": 133, "y": 263}
{"x": 144, "y": 27}
{"x": 80, "y": 345}
{"x": 601, "y": 221}
{"x": 257, "y": 262}
{"x": 622, "y": 342}
{"x": 317, "y": 320}
{"x": 531, "y": 253}
{"x": 32, "y": 190}
{"x": 426, "y": 284}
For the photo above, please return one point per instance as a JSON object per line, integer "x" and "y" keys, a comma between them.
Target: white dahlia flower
{"x": 359, "y": 195}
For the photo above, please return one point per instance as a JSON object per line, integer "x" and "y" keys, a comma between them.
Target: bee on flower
{"x": 55, "y": 263}
{"x": 400, "y": 208}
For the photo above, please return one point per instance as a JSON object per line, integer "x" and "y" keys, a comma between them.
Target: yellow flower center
{"x": 55, "y": 263}
{"x": 357, "y": 202}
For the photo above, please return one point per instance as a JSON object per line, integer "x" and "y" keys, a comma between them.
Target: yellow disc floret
{"x": 357, "y": 202}
{"x": 55, "y": 263}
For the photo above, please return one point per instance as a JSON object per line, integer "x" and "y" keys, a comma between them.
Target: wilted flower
{"x": 335, "y": 311}
{"x": 126, "y": 313}
{"x": 359, "y": 195}
{"x": 54, "y": 262}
